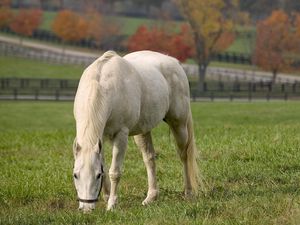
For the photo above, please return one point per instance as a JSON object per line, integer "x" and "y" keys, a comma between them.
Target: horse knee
{"x": 114, "y": 176}
{"x": 148, "y": 157}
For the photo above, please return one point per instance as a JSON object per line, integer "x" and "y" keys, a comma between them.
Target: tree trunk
{"x": 202, "y": 72}
{"x": 274, "y": 76}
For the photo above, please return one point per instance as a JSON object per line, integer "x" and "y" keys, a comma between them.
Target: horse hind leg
{"x": 184, "y": 136}
{"x": 144, "y": 142}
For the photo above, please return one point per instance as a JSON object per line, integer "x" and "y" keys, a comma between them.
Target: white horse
{"x": 120, "y": 97}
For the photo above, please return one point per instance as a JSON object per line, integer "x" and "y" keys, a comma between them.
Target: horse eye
{"x": 75, "y": 176}
{"x": 98, "y": 176}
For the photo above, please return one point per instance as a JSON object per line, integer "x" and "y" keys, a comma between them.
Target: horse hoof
{"x": 111, "y": 203}
{"x": 110, "y": 208}
{"x": 188, "y": 195}
{"x": 150, "y": 198}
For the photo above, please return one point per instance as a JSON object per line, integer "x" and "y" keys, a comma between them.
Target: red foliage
{"x": 273, "y": 42}
{"x": 26, "y": 21}
{"x": 178, "y": 45}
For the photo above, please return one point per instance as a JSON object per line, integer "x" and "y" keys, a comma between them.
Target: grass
{"x": 128, "y": 24}
{"x": 250, "y": 156}
{"x": 27, "y": 68}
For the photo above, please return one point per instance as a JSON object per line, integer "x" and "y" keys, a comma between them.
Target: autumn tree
{"x": 6, "y": 13}
{"x": 26, "y": 21}
{"x": 297, "y": 28}
{"x": 212, "y": 29}
{"x": 70, "y": 26}
{"x": 95, "y": 25}
{"x": 274, "y": 43}
{"x": 160, "y": 39}
{"x": 100, "y": 28}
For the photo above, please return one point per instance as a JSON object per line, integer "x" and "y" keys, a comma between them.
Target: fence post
{"x": 285, "y": 96}
{"x": 294, "y": 87}
{"x": 2, "y": 83}
{"x": 57, "y": 94}
{"x": 36, "y": 94}
{"x": 268, "y": 96}
{"x": 282, "y": 87}
{"x": 212, "y": 96}
{"x": 250, "y": 89}
{"x": 15, "y": 94}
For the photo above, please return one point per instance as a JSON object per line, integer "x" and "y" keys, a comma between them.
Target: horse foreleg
{"x": 144, "y": 142}
{"x": 118, "y": 153}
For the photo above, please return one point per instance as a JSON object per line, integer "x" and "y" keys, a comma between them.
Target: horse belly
{"x": 154, "y": 104}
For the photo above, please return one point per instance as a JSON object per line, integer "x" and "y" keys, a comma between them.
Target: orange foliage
{"x": 6, "y": 16}
{"x": 178, "y": 45}
{"x": 273, "y": 42}
{"x": 70, "y": 26}
{"x": 297, "y": 25}
{"x": 5, "y": 3}
{"x": 224, "y": 41}
{"x": 95, "y": 26}
{"x": 26, "y": 21}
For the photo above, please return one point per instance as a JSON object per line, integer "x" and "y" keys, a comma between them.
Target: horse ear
{"x": 98, "y": 147}
{"x": 76, "y": 147}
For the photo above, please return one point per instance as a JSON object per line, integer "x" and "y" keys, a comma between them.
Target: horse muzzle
{"x": 87, "y": 205}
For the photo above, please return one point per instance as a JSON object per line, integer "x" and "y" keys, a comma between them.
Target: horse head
{"x": 88, "y": 175}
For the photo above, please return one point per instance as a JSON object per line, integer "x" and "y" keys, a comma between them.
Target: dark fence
{"x": 37, "y": 89}
{"x": 63, "y": 89}
{"x": 233, "y": 57}
{"x": 246, "y": 90}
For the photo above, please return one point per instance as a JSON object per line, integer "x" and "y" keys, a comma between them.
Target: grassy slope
{"x": 250, "y": 161}
{"x": 19, "y": 67}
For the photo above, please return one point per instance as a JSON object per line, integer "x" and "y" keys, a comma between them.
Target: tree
{"x": 274, "y": 43}
{"x": 178, "y": 45}
{"x": 6, "y": 13}
{"x": 70, "y": 26}
{"x": 297, "y": 25}
{"x": 26, "y": 21}
{"x": 212, "y": 30}
{"x": 95, "y": 30}
{"x": 5, "y": 3}
{"x": 100, "y": 28}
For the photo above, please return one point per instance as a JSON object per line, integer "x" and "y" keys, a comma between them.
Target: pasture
{"x": 28, "y": 68}
{"x": 250, "y": 161}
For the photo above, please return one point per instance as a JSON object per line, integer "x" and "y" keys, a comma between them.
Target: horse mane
{"x": 90, "y": 104}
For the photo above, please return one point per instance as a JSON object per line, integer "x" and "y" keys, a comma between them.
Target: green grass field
{"x": 250, "y": 154}
{"x": 27, "y": 68}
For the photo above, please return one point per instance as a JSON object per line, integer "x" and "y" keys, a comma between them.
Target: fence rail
{"x": 65, "y": 89}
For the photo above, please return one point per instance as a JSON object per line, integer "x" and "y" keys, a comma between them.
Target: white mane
{"x": 89, "y": 102}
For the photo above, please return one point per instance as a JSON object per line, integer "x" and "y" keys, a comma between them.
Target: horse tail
{"x": 192, "y": 155}
{"x": 104, "y": 58}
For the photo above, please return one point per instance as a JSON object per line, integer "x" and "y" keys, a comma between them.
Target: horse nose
{"x": 88, "y": 210}
{"x": 86, "y": 207}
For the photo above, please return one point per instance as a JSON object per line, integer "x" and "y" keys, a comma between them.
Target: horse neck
{"x": 92, "y": 115}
